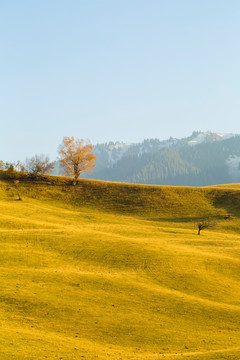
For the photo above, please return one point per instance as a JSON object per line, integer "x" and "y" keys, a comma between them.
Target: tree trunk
{"x": 76, "y": 176}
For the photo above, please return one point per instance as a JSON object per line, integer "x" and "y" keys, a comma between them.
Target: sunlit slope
{"x": 121, "y": 278}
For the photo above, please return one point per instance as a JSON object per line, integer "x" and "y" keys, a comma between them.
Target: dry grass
{"x": 117, "y": 271}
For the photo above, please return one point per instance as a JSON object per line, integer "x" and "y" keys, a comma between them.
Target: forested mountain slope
{"x": 202, "y": 159}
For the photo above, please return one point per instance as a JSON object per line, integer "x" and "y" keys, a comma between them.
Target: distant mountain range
{"x": 204, "y": 158}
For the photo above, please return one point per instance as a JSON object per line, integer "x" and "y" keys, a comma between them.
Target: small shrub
{"x": 205, "y": 224}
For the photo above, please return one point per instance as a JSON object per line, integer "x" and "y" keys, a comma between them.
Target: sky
{"x": 115, "y": 70}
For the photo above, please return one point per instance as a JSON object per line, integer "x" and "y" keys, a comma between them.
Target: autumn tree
{"x": 76, "y": 156}
{"x": 10, "y": 169}
{"x": 38, "y": 164}
{"x": 19, "y": 166}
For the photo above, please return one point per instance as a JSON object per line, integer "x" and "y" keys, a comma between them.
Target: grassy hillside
{"x": 117, "y": 271}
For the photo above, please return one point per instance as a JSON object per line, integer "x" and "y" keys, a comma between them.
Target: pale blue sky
{"x": 116, "y": 70}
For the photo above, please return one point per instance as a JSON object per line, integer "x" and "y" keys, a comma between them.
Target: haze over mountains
{"x": 204, "y": 158}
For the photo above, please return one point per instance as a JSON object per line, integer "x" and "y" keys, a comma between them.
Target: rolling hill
{"x": 117, "y": 271}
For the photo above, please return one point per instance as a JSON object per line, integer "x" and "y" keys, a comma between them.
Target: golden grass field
{"x": 117, "y": 271}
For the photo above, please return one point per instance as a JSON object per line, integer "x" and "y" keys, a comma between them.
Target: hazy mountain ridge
{"x": 204, "y": 158}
